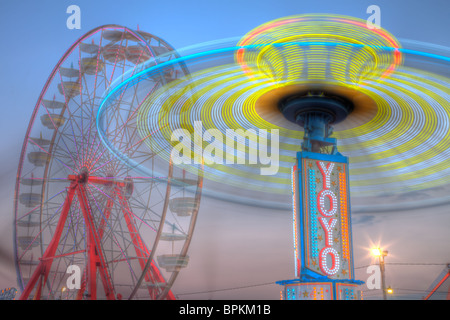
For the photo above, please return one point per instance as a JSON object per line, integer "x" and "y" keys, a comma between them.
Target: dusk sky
{"x": 233, "y": 245}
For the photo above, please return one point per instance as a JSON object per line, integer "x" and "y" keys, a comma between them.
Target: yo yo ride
{"x": 82, "y": 212}
{"x": 332, "y": 107}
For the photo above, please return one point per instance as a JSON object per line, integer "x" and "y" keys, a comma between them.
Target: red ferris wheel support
{"x": 96, "y": 260}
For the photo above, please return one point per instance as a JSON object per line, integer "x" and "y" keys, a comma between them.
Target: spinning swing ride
{"x": 395, "y": 129}
{"x": 353, "y": 110}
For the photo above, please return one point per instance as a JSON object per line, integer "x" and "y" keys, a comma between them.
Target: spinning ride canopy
{"x": 396, "y": 135}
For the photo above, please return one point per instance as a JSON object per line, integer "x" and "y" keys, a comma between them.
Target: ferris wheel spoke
{"x": 90, "y": 124}
{"x": 124, "y": 248}
{"x": 61, "y": 172}
{"x": 143, "y": 158}
{"x": 90, "y": 99}
{"x": 95, "y": 250}
{"x": 119, "y": 133}
{"x": 124, "y": 125}
{"x": 92, "y": 165}
{"x": 141, "y": 250}
{"x": 147, "y": 206}
{"x": 38, "y": 206}
{"x": 61, "y": 250}
{"x": 74, "y": 140}
{"x": 131, "y": 112}
{"x": 47, "y": 223}
{"x": 67, "y": 108}
{"x": 119, "y": 205}
{"x": 134, "y": 96}
{"x": 115, "y": 62}
{"x": 91, "y": 148}
{"x": 62, "y": 164}
{"x": 41, "y": 272}
{"x": 94, "y": 155}
{"x": 101, "y": 166}
{"x": 76, "y": 222}
{"x": 116, "y": 132}
{"x": 73, "y": 120}
{"x": 87, "y": 140}
{"x": 56, "y": 129}
{"x": 98, "y": 55}
{"x": 75, "y": 114}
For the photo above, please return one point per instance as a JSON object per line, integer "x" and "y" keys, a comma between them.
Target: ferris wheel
{"x": 78, "y": 206}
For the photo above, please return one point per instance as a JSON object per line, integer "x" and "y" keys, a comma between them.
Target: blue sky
{"x": 34, "y": 37}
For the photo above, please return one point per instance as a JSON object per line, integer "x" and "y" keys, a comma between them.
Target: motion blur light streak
{"x": 356, "y": 55}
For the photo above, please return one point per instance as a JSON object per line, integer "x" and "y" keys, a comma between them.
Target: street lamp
{"x": 377, "y": 252}
{"x": 63, "y": 289}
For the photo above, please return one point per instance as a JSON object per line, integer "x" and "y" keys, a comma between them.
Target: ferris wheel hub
{"x": 83, "y": 176}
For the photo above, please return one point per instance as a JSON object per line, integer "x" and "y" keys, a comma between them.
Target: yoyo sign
{"x": 322, "y": 216}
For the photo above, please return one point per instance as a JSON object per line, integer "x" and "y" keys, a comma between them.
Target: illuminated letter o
{"x": 323, "y": 261}
{"x": 321, "y": 203}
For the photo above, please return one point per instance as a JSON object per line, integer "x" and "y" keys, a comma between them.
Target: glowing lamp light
{"x": 376, "y": 252}
{"x": 389, "y": 290}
